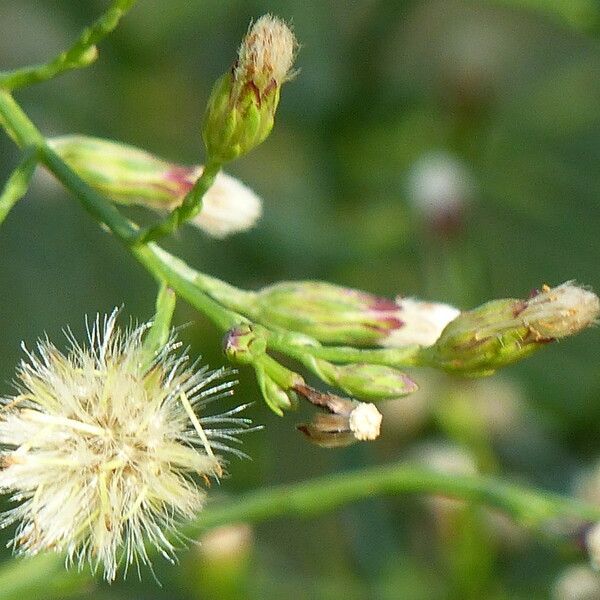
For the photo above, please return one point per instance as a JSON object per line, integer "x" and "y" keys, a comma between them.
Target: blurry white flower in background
{"x": 440, "y": 188}
{"x": 578, "y": 582}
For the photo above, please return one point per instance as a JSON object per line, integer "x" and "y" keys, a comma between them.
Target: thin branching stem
{"x": 82, "y": 53}
{"x": 189, "y": 208}
{"x": 533, "y": 508}
{"x": 538, "y": 510}
{"x": 17, "y": 184}
{"x": 220, "y": 301}
{"x": 162, "y": 265}
{"x": 298, "y": 347}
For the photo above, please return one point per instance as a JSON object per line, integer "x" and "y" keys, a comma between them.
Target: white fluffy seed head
{"x": 104, "y": 449}
{"x": 266, "y": 55}
{"x": 561, "y": 311}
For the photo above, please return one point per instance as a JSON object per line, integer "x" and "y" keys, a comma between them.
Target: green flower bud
{"x": 130, "y": 176}
{"x": 327, "y": 312}
{"x": 366, "y": 381}
{"x": 503, "y": 331}
{"x": 276, "y": 398}
{"x": 241, "y": 108}
{"x": 339, "y": 315}
{"x": 374, "y": 382}
{"x": 243, "y": 346}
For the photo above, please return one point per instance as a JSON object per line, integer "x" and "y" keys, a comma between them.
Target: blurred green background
{"x": 444, "y": 149}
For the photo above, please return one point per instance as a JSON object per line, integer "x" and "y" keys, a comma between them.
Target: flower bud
{"x": 241, "y": 108}
{"x": 130, "y": 176}
{"x": 501, "y": 332}
{"x": 277, "y": 399}
{"x": 242, "y": 346}
{"x": 335, "y": 314}
{"x": 423, "y": 322}
{"x": 328, "y": 431}
{"x": 366, "y": 381}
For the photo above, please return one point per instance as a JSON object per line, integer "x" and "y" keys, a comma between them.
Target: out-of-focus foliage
{"x": 504, "y": 93}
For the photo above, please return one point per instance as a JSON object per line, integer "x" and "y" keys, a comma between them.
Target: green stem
{"x": 189, "y": 208}
{"x": 24, "y": 133}
{"x": 159, "y": 332}
{"x": 81, "y": 54}
{"x": 226, "y": 294}
{"x": 182, "y": 279}
{"x": 281, "y": 375}
{"x": 94, "y": 203}
{"x": 18, "y": 183}
{"x": 17, "y": 124}
{"x": 162, "y": 265}
{"x": 206, "y": 293}
{"x": 306, "y": 499}
{"x": 42, "y": 576}
{"x": 318, "y": 496}
{"x": 296, "y": 348}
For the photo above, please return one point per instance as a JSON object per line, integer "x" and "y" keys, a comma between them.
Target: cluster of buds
{"x": 472, "y": 343}
{"x": 244, "y": 346}
{"x": 501, "y": 332}
{"x": 339, "y": 315}
{"x": 130, "y": 176}
{"x": 345, "y": 420}
{"x": 239, "y": 116}
{"x": 241, "y": 108}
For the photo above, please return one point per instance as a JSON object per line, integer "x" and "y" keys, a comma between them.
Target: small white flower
{"x": 422, "y": 322}
{"x": 365, "y": 421}
{"x": 228, "y": 207}
{"x": 102, "y": 449}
